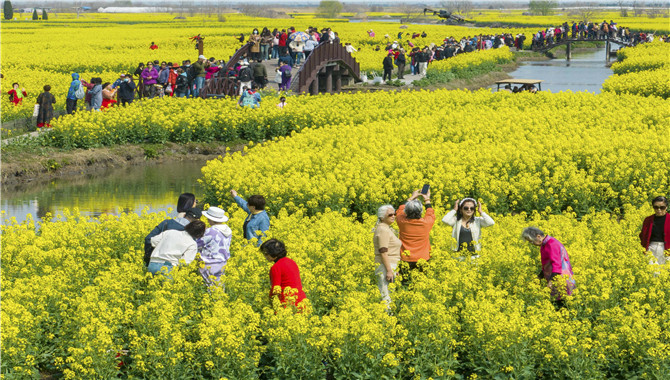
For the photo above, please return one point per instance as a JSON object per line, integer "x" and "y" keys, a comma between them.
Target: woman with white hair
{"x": 387, "y": 250}
{"x": 467, "y": 227}
{"x": 555, "y": 262}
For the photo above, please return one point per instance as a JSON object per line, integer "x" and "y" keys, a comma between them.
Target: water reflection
{"x": 129, "y": 189}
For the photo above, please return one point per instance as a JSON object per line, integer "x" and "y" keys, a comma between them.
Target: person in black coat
{"x": 126, "y": 92}
{"x": 401, "y": 61}
{"x": 388, "y": 66}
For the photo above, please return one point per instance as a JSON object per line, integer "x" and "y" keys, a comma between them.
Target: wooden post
{"x": 568, "y": 51}
{"x": 338, "y": 79}
{"x": 314, "y": 88}
{"x": 607, "y": 51}
{"x": 329, "y": 79}
{"x": 201, "y": 47}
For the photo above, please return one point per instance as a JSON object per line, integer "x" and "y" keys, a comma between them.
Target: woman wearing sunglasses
{"x": 387, "y": 250}
{"x": 655, "y": 234}
{"x": 467, "y": 226}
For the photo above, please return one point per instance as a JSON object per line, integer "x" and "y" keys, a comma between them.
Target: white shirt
{"x": 475, "y": 227}
{"x": 173, "y": 245}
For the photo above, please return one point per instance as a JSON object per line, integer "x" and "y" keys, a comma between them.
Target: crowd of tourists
{"x": 183, "y": 237}
{"x": 400, "y": 54}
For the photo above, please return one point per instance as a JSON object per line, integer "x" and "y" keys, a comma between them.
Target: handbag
{"x": 278, "y": 77}
{"x": 36, "y": 110}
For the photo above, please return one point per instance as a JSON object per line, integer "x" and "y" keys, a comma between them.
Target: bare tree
{"x": 407, "y": 9}
{"x": 587, "y": 11}
{"x": 462, "y": 7}
{"x": 623, "y": 9}
{"x": 638, "y": 8}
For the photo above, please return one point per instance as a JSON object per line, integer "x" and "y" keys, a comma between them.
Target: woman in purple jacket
{"x": 150, "y": 77}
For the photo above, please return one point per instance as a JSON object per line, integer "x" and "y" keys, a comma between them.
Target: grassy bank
{"x": 28, "y": 162}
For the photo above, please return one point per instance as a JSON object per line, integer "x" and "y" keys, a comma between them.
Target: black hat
{"x": 194, "y": 213}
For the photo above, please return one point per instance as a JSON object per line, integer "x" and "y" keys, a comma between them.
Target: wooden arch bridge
{"x": 325, "y": 70}
{"x": 568, "y": 46}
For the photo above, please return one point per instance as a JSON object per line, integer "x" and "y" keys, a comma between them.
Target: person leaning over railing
{"x": 655, "y": 233}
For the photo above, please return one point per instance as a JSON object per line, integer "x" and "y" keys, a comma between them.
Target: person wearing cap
{"x": 214, "y": 245}
{"x": 126, "y": 93}
{"x": 171, "y": 246}
{"x": 466, "y": 226}
{"x": 257, "y": 221}
{"x": 199, "y": 75}
{"x": 186, "y": 213}
{"x": 246, "y": 76}
{"x": 172, "y": 79}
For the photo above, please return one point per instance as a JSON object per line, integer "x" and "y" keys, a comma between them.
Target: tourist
{"x": 186, "y": 213}
{"x": 388, "y": 67}
{"x": 400, "y": 61}
{"x": 310, "y": 45}
{"x": 198, "y": 73}
{"x": 555, "y": 262}
{"x": 245, "y": 76}
{"x": 260, "y": 74}
{"x": 149, "y": 79}
{"x": 283, "y": 43}
{"x": 297, "y": 47}
{"x": 95, "y": 94}
{"x": 285, "y": 70}
{"x": 250, "y": 97}
{"x": 422, "y": 59}
{"x": 387, "y": 250}
{"x": 255, "y": 41}
{"x": 126, "y": 93}
{"x": 45, "y": 113}
{"x": 172, "y": 79}
{"x": 466, "y": 226}
{"x": 282, "y": 102}
{"x": 16, "y": 95}
{"x": 257, "y": 221}
{"x": 171, "y": 246}
{"x": 163, "y": 75}
{"x": 275, "y": 46}
{"x": 108, "y": 94}
{"x": 71, "y": 98}
{"x": 181, "y": 89}
{"x": 153, "y": 46}
{"x": 414, "y": 229}
{"x": 655, "y": 233}
{"x": 266, "y": 42}
{"x": 285, "y": 281}
{"x": 214, "y": 245}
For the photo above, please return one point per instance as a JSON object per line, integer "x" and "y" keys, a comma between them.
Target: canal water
{"x": 156, "y": 187}
{"x": 130, "y": 189}
{"x": 584, "y": 72}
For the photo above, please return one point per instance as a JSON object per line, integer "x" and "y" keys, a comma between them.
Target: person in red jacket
{"x": 655, "y": 234}
{"x": 153, "y": 46}
{"x": 284, "y": 275}
{"x": 15, "y": 95}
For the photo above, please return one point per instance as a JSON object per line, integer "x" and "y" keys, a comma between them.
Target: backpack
{"x": 190, "y": 73}
{"x": 247, "y": 100}
{"x": 287, "y": 73}
{"x": 182, "y": 83}
{"x": 245, "y": 75}
{"x": 80, "y": 93}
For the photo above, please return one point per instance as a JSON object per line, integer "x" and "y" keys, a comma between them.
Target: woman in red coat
{"x": 655, "y": 234}
{"x": 284, "y": 275}
{"x": 16, "y": 96}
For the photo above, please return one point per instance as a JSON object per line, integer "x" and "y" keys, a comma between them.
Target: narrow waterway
{"x": 156, "y": 187}
{"x": 586, "y": 71}
{"x": 130, "y": 189}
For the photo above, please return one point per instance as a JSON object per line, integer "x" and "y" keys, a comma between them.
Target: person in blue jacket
{"x": 258, "y": 221}
{"x": 186, "y": 213}
{"x": 71, "y": 100}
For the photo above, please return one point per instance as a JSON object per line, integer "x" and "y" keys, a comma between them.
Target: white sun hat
{"x": 215, "y": 214}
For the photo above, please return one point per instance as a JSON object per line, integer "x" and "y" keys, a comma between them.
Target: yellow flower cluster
{"x": 642, "y": 70}
{"x": 77, "y": 301}
{"x": 467, "y": 64}
{"x": 517, "y": 152}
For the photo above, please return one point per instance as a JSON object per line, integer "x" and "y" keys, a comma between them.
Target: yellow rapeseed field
{"x": 642, "y": 70}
